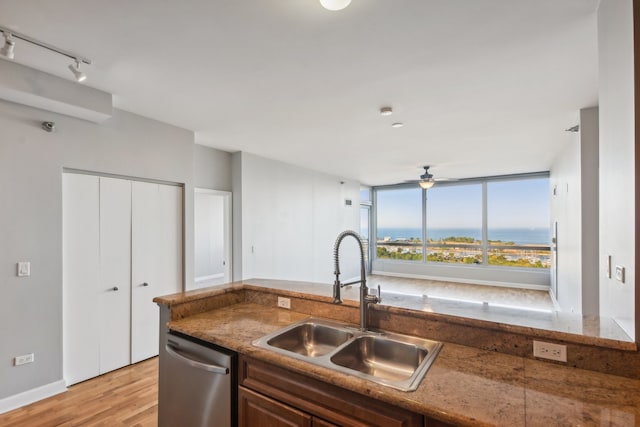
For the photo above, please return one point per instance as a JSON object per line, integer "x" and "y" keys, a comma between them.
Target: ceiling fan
{"x": 427, "y": 180}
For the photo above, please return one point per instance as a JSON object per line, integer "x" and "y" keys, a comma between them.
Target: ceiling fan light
{"x": 426, "y": 179}
{"x": 335, "y": 4}
{"x": 426, "y": 183}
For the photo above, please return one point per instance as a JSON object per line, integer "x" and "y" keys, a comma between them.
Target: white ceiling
{"x": 484, "y": 87}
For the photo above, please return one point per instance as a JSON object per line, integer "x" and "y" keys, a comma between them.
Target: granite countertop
{"x": 464, "y": 386}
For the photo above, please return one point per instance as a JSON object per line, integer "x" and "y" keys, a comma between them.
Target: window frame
{"x": 484, "y": 246}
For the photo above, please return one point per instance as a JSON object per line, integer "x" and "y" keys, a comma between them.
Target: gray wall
{"x": 31, "y": 165}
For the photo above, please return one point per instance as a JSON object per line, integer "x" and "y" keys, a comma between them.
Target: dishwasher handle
{"x": 195, "y": 364}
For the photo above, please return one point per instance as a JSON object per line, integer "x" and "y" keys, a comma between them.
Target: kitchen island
{"x": 465, "y": 385}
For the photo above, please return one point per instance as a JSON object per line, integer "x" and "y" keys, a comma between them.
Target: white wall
{"x": 574, "y": 176}
{"x": 290, "y": 218}
{"x": 617, "y": 201}
{"x": 565, "y": 209}
{"x": 211, "y": 168}
{"x": 31, "y": 165}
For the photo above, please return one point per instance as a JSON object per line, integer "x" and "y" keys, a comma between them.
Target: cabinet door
{"x": 115, "y": 274}
{"x": 156, "y": 259}
{"x": 80, "y": 276}
{"x": 256, "y": 410}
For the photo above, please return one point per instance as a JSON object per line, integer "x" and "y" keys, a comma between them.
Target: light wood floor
{"x": 126, "y": 397}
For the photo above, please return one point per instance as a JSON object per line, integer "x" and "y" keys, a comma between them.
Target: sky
{"x": 510, "y": 204}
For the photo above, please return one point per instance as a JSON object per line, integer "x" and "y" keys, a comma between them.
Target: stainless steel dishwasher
{"x": 197, "y": 384}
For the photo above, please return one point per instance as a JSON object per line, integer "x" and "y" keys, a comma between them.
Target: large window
{"x": 399, "y": 224}
{"x": 518, "y": 223}
{"x": 454, "y": 224}
{"x": 497, "y": 222}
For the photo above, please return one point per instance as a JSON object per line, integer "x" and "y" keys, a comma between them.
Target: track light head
{"x": 75, "y": 69}
{"x": 9, "y": 45}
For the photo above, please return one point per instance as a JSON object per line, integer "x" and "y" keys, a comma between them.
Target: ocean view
{"x": 519, "y": 236}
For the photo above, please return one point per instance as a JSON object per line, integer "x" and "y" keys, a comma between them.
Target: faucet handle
{"x": 379, "y": 294}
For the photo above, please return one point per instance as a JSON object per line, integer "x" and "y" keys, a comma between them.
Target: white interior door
{"x": 115, "y": 273}
{"x": 156, "y": 259}
{"x": 80, "y": 277}
{"x": 212, "y": 237}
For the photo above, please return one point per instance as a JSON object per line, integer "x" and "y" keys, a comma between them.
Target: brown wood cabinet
{"x": 256, "y": 410}
{"x": 272, "y": 396}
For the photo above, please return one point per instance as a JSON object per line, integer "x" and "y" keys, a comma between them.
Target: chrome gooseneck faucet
{"x": 365, "y": 298}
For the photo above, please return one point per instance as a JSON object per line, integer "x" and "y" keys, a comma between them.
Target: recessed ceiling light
{"x": 397, "y": 125}
{"x": 386, "y": 111}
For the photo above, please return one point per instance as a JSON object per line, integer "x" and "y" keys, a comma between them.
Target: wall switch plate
{"x": 24, "y": 269}
{"x": 547, "y": 350}
{"x": 284, "y": 303}
{"x": 620, "y": 273}
{"x": 24, "y": 359}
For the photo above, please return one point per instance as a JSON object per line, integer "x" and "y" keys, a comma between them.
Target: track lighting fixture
{"x": 9, "y": 45}
{"x": 75, "y": 69}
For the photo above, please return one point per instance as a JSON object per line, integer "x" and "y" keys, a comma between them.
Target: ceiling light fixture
{"x": 75, "y": 69}
{"x": 386, "y": 111}
{"x": 9, "y": 45}
{"x": 335, "y": 4}
{"x": 426, "y": 179}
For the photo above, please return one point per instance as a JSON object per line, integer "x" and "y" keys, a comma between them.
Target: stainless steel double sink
{"x": 394, "y": 360}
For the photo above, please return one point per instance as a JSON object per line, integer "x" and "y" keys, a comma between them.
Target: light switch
{"x": 620, "y": 273}
{"x": 24, "y": 269}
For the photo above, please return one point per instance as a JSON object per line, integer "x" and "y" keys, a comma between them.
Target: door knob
{"x": 145, "y": 284}
{"x": 115, "y": 288}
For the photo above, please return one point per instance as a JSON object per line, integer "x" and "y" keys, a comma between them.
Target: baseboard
{"x": 26, "y": 397}
{"x": 467, "y": 281}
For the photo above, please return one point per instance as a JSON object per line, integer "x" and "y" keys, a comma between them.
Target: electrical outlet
{"x": 547, "y": 350}
{"x": 24, "y": 359}
{"x": 284, "y": 303}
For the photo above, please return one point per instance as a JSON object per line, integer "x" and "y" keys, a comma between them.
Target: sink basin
{"x": 310, "y": 339}
{"x": 381, "y": 357}
{"x": 394, "y": 360}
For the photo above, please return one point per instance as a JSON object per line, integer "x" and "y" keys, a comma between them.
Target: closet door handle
{"x": 115, "y": 288}
{"x": 145, "y": 284}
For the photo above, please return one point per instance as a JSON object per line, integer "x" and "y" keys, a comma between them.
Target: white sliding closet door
{"x": 80, "y": 276}
{"x": 115, "y": 273}
{"x": 122, "y": 246}
{"x": 156, "y": 260}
